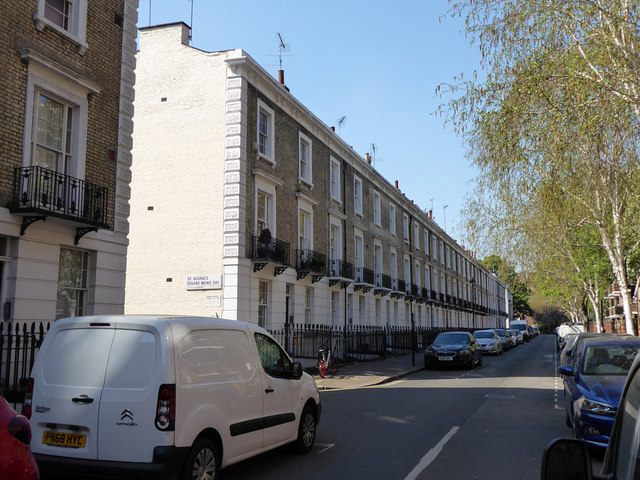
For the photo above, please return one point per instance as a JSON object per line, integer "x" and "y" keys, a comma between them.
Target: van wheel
{"x": 306, "y": 431}
{"x": 203, "y": 461}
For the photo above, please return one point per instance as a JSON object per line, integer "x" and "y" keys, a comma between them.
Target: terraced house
{"x": 67, "y": 107}
{"x": 247, "y": 206}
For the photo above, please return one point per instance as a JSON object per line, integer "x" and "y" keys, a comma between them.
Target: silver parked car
{"x": 489, "y": 341}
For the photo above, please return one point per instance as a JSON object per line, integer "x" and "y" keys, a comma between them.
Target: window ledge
{"x": 42, "y": 23}
{"x": 267, "y": 159}
{"x": 306, "y": 182}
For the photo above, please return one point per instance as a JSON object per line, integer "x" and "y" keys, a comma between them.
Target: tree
{"x": 510, "y": 277}
{"x": 554, "y": 125}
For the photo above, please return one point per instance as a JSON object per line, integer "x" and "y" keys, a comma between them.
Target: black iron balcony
{"x": 434, "y": 295}
{"x": 310, "y": 261}
{"x": 39, "y": 193}
{"x": 382, "y": 284}
{"x": 402, "y": 286}
{"x": 414, "y": 290}
{"x": 340, "y": 268}
{"x": 364, "y": 275}
{"x": 267, "y": 249}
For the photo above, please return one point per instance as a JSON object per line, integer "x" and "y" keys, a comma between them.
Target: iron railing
{"x": 42, "y": 191}
{"x": 311, "y": 261}
{"x": 271, "y": 249}
{"x": 340, "y": 268}
{"x": 360, "y": 342}
{"x": 18, "y": 349}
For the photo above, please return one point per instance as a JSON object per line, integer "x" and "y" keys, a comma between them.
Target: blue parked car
{"x": 593, "y": 384}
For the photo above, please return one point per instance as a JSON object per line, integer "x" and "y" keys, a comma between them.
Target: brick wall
{"x": 100, "y": 63}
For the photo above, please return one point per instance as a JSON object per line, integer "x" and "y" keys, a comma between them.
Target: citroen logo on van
{"x": 126, "y": 413}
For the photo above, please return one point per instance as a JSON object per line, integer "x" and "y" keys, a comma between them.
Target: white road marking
{"x": 431, "y": 455}
{"x": 326, "y": 446}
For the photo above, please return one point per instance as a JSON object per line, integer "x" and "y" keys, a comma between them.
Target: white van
{"x": 521, "y": 325}
{"x": 164, "y": 396}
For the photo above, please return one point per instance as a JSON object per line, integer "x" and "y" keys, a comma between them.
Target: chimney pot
{"x": 281, "y": 77}
{"x": 396, "y": 183}
{"x": 333, "y": 129}
{"x": 367, "y": 157}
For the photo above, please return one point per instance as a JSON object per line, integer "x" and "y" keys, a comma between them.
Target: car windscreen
{"x": 608, "y": 359}
{"x": 451, "y": 338}
{"x": 519, "y": 326}
{"x": 484, "y": 335}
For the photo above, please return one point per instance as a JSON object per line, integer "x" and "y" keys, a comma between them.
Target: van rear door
{"x": 137, "y": 366}
{"x": 68, "y": 378}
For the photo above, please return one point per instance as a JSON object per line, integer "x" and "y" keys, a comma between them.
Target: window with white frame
{"x": 52, "y": 137}
{"x": 448, "y": 256}
{"x": 56, "y": 118}
{"x": 442, "y": 257}
{"x": 73, "y": 283}
{"x": 304, "y": 159}
{"x": 377, "y": 263}
{"x": 417, "y": 278}
{"x": 264, "y": 209}
{"x": 266, "y": 133}
{"x": 357, "y": 195}
{"x": 376, "y": 208}
{"x": 308, "y": 305}
{"x": 426, "y": 241}
{"x": 334, "y": 178}
{"x": 407, "y": 273}
{"x": 335, "y": 248}
{"x": 416, "y": 236}
{"x": 305, "y": 228}
{"x": 434, "y": 247}
{"x": 427, "y": 278}
{"x": 435, "y": 284}
{"x": 67, "y": 17}
{"x": 392, "y": 219}
{"x": 263, "y": 303}
{"x": 358, "y": 254}
{"x": 393, "y": 268}
{"x": 361, "y": 310}
{"x": 405, "y": 227}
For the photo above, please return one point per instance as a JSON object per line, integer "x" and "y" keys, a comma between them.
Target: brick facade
{"x": 240, "y": 93}
{"x": 88, "y": 60}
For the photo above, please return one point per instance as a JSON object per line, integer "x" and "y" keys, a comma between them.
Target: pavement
{"x": 368, "y": 372}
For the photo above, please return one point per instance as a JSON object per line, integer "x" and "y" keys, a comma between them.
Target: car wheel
{"x": 306, "y": 431}
{"x": 203, "y": 461}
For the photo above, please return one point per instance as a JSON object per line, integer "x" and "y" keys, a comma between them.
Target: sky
{"x": 375, "y": 63}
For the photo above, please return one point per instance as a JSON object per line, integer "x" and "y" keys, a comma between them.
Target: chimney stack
{"x": 367, "y": 157}
{"x": 281, "y": 77}
{"x": 333, "y": 129}
{"x": 396, "y": 183}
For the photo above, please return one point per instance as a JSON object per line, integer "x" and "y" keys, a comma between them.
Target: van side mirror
{"x": 566, "y": 459}
{"x": 296, "y": 370}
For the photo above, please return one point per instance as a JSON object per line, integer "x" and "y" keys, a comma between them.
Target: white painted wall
{"x": 178, "y": 169}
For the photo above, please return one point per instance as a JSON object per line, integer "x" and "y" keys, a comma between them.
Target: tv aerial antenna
{"x": 373, "y": 154}
{"x": 340, "y": 122}
{"x": 284, "y": 47}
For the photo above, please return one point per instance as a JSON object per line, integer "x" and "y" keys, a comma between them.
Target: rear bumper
{"x": 167, "y": 463}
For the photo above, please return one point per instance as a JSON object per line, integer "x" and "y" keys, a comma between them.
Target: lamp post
{"x": 473, "y": 303}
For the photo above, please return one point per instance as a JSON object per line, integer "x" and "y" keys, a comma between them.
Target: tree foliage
{"x": 507, "y": 273}
{"x": 553, "y": 131}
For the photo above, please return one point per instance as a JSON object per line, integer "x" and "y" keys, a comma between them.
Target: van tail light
{"x": 166, "y": 410}
{"x": 19, "y": 427}
{"x": 28, "y": 398}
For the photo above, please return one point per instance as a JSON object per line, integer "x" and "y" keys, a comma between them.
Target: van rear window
{"x": 133, "y": 360}
{"x": 77, "y": 357}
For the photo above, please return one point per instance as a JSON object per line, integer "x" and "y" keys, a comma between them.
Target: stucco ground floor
{"x": 267, "y": 299}
{"x": 45, "y": 276}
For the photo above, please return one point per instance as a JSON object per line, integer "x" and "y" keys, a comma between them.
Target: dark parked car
{"x": 568, "y": 458}
{"x": 453, "y": 349}
{"x": 593, "y": 384}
